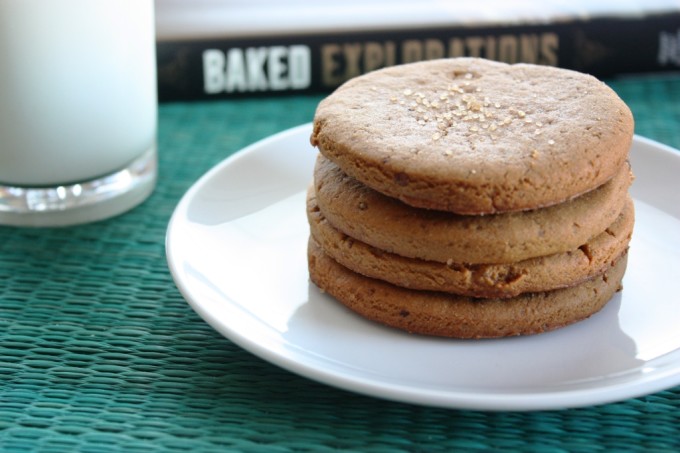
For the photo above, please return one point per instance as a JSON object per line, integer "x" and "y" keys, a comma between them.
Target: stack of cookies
{"x": 471, "y": 199}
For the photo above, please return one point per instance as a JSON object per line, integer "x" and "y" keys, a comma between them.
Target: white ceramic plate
{"x": 236, "y": 247}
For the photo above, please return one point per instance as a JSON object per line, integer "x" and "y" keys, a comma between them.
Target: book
{"x": 213, "y": 61}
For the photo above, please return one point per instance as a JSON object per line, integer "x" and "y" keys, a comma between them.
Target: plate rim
{"x": 451, "y": 399}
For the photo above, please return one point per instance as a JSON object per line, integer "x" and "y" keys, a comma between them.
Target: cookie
{"x": 476, "y": 280}
{"x": 392, "y": 226}
{"x": 473, "y": 136}
{"x": 447, "y": 315}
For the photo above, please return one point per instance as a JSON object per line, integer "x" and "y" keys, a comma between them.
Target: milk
{"x": 77, "y": 88}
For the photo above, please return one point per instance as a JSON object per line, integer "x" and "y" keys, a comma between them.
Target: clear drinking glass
{"x": 78, "y": 109}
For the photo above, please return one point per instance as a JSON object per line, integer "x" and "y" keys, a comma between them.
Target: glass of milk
{"x": 78, "y": 109}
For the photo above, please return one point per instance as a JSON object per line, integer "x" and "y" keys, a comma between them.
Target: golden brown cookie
{"x": 442, "y": 314}
{"x": 476, "y": 280}
{"x": 474, "y": 136}
{"x": 392, "y": 226}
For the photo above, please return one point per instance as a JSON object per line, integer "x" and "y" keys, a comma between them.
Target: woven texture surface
{"x": 99, "y": 352}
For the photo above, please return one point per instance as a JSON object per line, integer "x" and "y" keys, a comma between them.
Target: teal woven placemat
{"x": 99, "y": 352}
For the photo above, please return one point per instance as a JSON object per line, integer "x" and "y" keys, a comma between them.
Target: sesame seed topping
{"x": 551, "y": 142}
{"x": 468, "y": 75}
{"x": 482, "y": 114}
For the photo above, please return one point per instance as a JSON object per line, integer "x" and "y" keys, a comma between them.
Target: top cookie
{"x": 473, "y": 136}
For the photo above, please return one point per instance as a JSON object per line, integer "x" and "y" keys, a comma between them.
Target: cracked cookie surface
{"x": 474, "y": 136}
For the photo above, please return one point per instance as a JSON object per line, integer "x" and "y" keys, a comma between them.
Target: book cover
{"x": 212, "y": 65}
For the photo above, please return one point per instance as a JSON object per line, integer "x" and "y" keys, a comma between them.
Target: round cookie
{"x": 442, "y": 314}
{"x": 474, "y": 136}
{"x": 476, "y": 280}
{"x": 392, "y": 226}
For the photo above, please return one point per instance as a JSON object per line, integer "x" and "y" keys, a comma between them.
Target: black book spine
{"x": 316, "y": 63}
